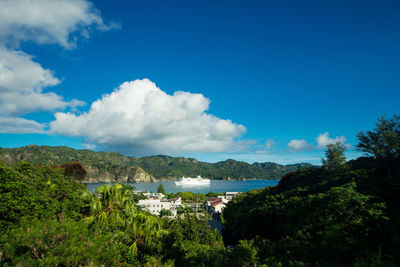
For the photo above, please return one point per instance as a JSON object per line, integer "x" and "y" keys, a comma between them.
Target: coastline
{"x": 215, "y": 186}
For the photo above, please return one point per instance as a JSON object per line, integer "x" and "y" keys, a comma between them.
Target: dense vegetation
{"x": 341, "y": 214}
{"x": 101, "y": 164}
{"x": 49, "y": 219}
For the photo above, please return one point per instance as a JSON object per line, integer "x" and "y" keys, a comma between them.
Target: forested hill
{"x": 112, "y": 167}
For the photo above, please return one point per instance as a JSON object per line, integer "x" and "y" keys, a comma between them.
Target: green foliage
{"x": 335, "y": 157}
{"x": 337, "y": 215}
{"x": 212, "y": 194}
{"x": 74, "y": 170}
{"x": 16, "y": 197}
{"x": 170, "y": 195}
{"x": 189, "y": 253}
{"x": 182, "y": 210}
{"x": 191, "y": 243}
{"x": 164, "y": 212}
{"x": 137, "y": 197}
{"x": 114, "y": 211}
{"x": 113, "y": 206}
{"x": 37, "y": 191}
{"x": 384, "y": 141}
{"x": 48, "y": 219}
{"x": 374, "y": 259}
{"x": 54, "y": 243}
{"x": 186, "y": 196}
{"x": 323, "y": 217}
{"x": 244, "y": 254}
{"x": 160, "y": 189}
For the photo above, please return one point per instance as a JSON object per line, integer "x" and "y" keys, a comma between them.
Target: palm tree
{"x": 114, "y": 206}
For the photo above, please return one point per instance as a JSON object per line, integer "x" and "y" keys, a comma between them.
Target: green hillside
{"x": 113, "y": 165}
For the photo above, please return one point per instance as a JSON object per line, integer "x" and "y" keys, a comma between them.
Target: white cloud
{"x": 139, "y": 118}
{"x": 45, "y": 22}
{"x": 48, "y": 21}
{"x": 21, "y": 83}
{"x": 269, "y": 143}
{"x": 89, "y": 146}
{"x": 299, "y": 145}
{"x": 323, "y": 140}
{"x": 19, "y": 73}
{"x": 20, "y": 125}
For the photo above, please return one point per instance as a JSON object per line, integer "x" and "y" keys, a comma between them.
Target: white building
{"x": 230, "y": 195}
{"x": 154, "y": 206}
{"x": 217, "y": 206}
{"x": 176, "y": 200}
{"x": 210, "y": 200}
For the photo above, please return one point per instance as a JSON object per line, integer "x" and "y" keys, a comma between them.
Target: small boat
{"x": 193, "y": 181}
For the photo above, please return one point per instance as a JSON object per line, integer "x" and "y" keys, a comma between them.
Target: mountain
{"x": 114, "y": 167}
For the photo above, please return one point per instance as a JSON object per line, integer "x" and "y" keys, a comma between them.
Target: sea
{"x": 216, "y": 186}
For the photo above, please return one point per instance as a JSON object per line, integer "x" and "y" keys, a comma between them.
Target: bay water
{"x": 216, "y": 186}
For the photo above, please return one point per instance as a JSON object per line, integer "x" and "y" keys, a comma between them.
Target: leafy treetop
{"x": 160, "y": 189}
{"x": 334, "y": 155}
{"x": 384, "y": 141}
{"x": 74, "y": 170}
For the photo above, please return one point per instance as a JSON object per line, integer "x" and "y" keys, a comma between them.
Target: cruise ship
{"x": 193, "y": 181}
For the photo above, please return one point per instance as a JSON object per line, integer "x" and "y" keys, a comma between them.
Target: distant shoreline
{"x": 170, "y": 180}
{"x": 215, "y": 186}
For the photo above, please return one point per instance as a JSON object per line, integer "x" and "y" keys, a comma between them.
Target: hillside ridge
{"x": 114, "y": 167}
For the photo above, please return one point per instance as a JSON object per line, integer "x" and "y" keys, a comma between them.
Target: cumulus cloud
{"x": 20, "y": 125}
{"x": 323, "y": 140}
{"x": 299, "y": 145}
{"x": 49, "y": 21}
{"x": 22, "y": 80}
{"x": 21, "y": 84}
{"x": 141, "y": 119}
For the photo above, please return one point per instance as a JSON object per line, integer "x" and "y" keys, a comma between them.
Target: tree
{"x": 160, "y": 189}
{"x": 34, "y": 191}
{"x": 384, "y": 141}
{"x": 164, "y": 212}
{"x": 114, "y": 204}
{"x": 74, "y": 170}
{"x": 190, "y": 242}
{"x": 334, "y": 155}
{"x": 185, "y": 195}
{"x": 211, "y": 194}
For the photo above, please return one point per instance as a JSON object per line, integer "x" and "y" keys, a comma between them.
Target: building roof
{"x": 216, "y": 202}
{"x": 212, "y": 198}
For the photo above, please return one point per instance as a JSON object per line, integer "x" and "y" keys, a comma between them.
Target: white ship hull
{"x": 193, "y": 181}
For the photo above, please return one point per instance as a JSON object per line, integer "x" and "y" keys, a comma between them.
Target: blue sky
{"x": 260, "y": 80}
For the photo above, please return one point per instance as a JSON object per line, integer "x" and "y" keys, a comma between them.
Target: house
{"x": 230, "y": 195}
{"x": 154, "y": 206}
{"x": 217, "y": 206}
{"x": 210, "y": 200}
{"x": 176, "y": 200}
